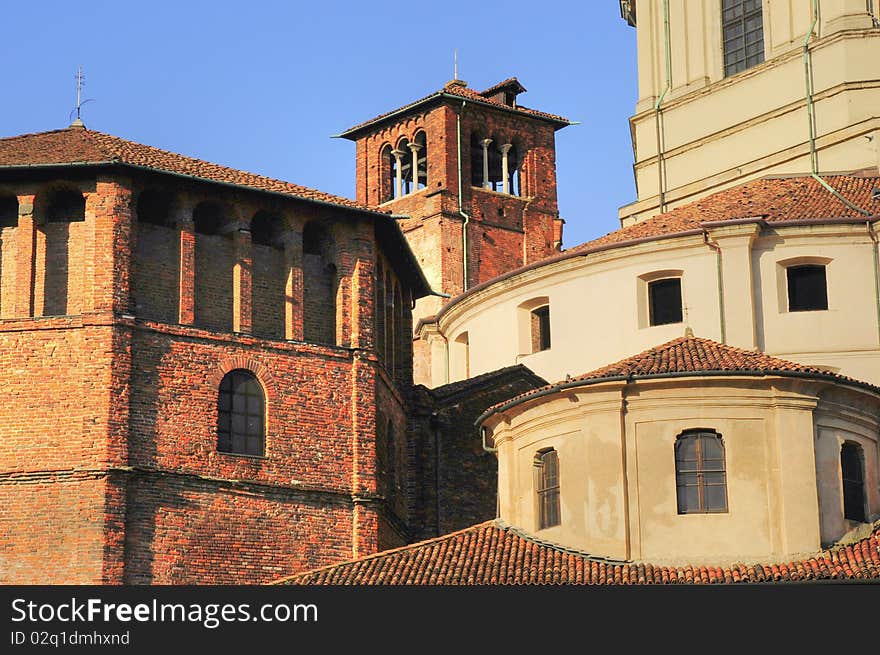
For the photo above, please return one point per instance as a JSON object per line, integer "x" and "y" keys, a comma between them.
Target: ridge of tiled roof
{"x": 495, "y": 553}
{"x": 78, "y": 145}
{"x": 687, "y": 356}
{"x": 459, "y": 89}
{"x": 773, "y": 199}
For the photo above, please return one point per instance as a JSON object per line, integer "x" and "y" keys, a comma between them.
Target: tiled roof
{"x": 494, "y": 553}
{"x": 76, "y": 145}
{"x": 776, "y": 200}
{"x": 478, "y": 381}
{"x": 689, "y": 355}
{"x": 459, "y": 89}
{"x": 511, "y": 82}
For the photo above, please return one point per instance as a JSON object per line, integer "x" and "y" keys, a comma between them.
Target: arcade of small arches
{"x": 495, "y": 165}
{"x": 406, "y": 166}
{"x": 194, "y": 262}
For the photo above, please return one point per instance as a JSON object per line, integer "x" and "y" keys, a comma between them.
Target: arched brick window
{"x": 266, "y": 229}
{"x": 700, "y": 475}
{"x": 66, "y": 206}
{"x": 241, "y": 414}
{"x": 155, "y": 206}
{"x": 420, "y": 175}
{"x": 546, "y": 465}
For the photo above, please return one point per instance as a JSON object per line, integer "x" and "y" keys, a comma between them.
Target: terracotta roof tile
{"x": 458, "y": 89}
{"x": 75, "y": 145}
{"x": 689, "y": 355}
{"x": 494, "y": 553}
{"x": 777, "y": 200}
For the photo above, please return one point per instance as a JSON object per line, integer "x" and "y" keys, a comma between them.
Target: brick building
{"x": 193, "y": 380}
{"x": 208, "y": 373}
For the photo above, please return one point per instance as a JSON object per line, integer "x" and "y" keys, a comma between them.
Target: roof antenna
{"x": 80, "y": 82}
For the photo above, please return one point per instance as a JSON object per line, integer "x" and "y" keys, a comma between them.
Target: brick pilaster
{"x": 242, "y": 299}
{"x": 187, "y": 271}
{"x": 25, "y": 246}
{"x": 293, "y": 286}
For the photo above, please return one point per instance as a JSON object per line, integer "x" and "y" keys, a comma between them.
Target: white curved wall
{"x": 595, "y": 304}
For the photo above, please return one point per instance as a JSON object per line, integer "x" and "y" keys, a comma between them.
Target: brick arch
{"x": 46, "y": 194}
{"x": 231, "y": 363}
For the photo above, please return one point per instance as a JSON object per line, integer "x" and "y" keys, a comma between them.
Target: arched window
{"x": 478, "y": 175}
{"x": 154, "y": 206}
{"x": 547, "y": 487}
{"x": 540, "y": 328}
{"x": 388, "y": 174}
{"x": 512, "y": 180}
{"x": 533, "y": 325}
{"x": 210, "y": 218}
{"x": 700, "y": 476}
{"x": 66, "y": 206}
{"x": 241, "y": 414}
{"x": 421, "y": 161}
{"x": 266, "y": 229}
{"x": 852, "y": 470}
{"x": 402, "y": 169}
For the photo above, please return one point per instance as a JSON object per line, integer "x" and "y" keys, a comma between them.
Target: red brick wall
{"x": 214, "y": 258}
{"x": 267, "y": 288}
{"x": 394, "y": 465}
{"x": 60, "y": 279}
{"x": 7, "y": 271}
{"x": 60, "y": 430}
{"x": 188, "y": 531}
{"x": 155, "y": 273}
{"x": 56, "y": 383}
{"x": 52, "y": 530}
{"x": 319, "y": 300}
{"x": 175, "y": 381}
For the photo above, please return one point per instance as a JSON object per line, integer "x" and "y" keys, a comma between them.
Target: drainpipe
{"x": 714, "y": 246}
{"x": 811, "y": 118}
{"x": 626, "y": 523}
{"x": 488, "y": 449}
{"x": 874, "y": 251}
{"x": 445, "y": 357}
{"x": 461, "y": 212}
{"x": 659, "y": 101}
{"x": 869, "y": 7}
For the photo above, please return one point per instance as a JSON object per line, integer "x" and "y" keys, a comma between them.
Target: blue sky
{"x": 262, "y": 85}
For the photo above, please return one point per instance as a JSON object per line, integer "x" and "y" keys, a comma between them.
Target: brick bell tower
{"x": 471, "y": 176}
